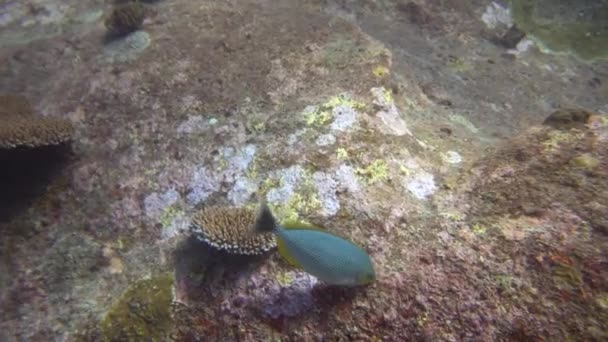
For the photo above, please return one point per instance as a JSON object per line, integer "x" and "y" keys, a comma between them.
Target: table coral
{"x": 21, "y": 127}
{"x": 231, "y": 229}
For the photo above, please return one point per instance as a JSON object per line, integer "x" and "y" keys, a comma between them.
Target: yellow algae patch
{"x": 142, "y": 312}
{"x": 377, "y": 171}
{"x": 381, "y": 71}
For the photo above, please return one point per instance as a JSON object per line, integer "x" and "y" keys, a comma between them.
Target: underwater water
{"x": 462, "y": 145}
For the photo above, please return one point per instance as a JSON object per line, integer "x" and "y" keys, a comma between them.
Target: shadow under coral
{"x": 201, "y": 270}
{"x": 205, "y": 278}
{"x": 26, "y": 173}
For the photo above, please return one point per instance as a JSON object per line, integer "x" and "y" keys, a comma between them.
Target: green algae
{"x": 375, "y": 172}
{"x": 343, "y": 100}
{"x": 304, "y": 201}
{"x": 168, "y": 215}
{"x": 567, "y": 276}
{"x": 319, "y": 116}
{"x": 578, "y": 28}
{"x": 557, "y": 138}
{"x": 602, "y": 301}
{"x": 341, "y": 153}
{"x": 284, "y": 279}
{"x": 381, "y": 71}
{"x": 478, "y": 229}
{"x": 585, "y": 161}
{"x": 142, "y": 313}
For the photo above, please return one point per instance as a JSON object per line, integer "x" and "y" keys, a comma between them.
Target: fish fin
{"x": 282, "y": 249}
{"x": 265, "y": 221}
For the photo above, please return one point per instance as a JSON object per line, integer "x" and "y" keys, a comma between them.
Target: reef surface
{"x": 455, "y": 162}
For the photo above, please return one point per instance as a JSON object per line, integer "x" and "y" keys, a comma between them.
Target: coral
{"x": 230, "y": 229}
{"x": 14, "y": 105}
{"x": 127, "y": 48}
{"x": 143, "y": 312}
{"x": 566, "y": 118}
{"x": 20, "y": 127}
{"x": 125, "y": 18}
{"x": 497, "y": 15}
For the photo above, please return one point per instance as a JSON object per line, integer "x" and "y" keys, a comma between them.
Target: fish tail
{"x": 265, "y": 221}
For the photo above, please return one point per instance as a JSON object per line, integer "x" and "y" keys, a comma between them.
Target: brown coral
{"x": 230, "y": 229}
{"x": 125, "y": 18}
{"x": 20, "y": 127}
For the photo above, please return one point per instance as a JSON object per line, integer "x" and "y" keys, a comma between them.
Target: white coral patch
{"x": 290, "y": 177}
{"x": 421, "y": 185}
{"x": 326, "y": 139}
{"x": 452, "y": 157}
{"x": 156, "y": 203}
{"x": 326, "y": 189}
{"x": 344, "y": 118}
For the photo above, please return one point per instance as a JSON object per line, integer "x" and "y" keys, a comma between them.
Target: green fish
{"x": 330, "y": 258}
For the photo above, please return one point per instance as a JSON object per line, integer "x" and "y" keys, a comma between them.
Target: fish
{"x": 330, "y": 258}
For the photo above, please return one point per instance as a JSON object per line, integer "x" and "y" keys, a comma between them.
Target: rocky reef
{"x": 472, "y": 173}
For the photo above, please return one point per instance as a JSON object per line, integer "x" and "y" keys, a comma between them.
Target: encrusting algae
{"x": 142, "y": 313}
{"x": 229, "y": 229}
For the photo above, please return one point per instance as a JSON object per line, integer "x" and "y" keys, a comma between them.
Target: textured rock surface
{"x": 398, "y": 125}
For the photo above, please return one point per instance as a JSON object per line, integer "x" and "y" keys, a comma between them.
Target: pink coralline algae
{"x": 272, "y": 298}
